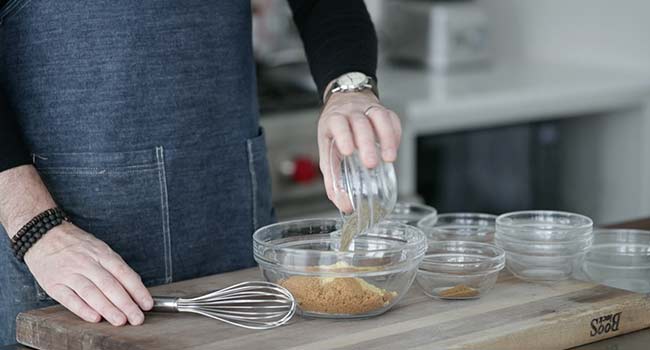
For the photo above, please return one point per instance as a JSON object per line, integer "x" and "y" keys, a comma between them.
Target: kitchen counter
{"x": 637, "y": 340}
{"x": 507, "y": 93}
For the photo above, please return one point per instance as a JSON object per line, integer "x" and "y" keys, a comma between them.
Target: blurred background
{"x": 506, "y": 105}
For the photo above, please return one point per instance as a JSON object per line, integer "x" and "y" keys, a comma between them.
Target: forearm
{"x": 23, "y": 195}
{"x": 339, "y": 37}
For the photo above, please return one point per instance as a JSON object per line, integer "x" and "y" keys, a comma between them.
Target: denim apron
{"x": 143, "y": 122}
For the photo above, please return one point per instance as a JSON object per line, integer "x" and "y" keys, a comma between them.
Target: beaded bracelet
{"x": 35, "y": 229}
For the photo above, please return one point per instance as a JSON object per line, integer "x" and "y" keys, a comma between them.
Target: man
{"x": 139, "y": 119}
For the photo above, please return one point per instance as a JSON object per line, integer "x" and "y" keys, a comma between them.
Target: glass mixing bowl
{"x": 459, "y": 269}
{"x": 476, "y": 227}
{"x": 411, "y": 213}
{"x": 620, "y": 258}
{"x": 303, "y": 256}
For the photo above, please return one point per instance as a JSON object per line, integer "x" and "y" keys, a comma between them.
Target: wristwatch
{"x": 351, "y": 82}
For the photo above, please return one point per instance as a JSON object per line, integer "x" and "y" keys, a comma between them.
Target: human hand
{"x": 356, "y": 121}
{"x": 87, "y": 277}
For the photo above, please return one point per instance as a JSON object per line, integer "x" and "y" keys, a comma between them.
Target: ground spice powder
{"x": 337, "y": 295}
{"x": 460, "y": 291}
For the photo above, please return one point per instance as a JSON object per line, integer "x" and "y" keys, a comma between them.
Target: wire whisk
{"x": 252, "y": 305}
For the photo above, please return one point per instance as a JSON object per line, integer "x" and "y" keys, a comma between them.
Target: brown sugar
{"x": 460, "y": 291}
{"x": 337, "y": 295}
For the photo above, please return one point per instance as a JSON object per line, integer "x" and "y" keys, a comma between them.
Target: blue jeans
{"x": 142, "y": 120}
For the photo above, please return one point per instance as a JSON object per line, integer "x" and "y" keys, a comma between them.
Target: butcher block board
{"x": 514, "y": 315}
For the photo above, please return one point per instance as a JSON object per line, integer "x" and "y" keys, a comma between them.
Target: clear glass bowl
{"x": 544, "y": 268}
{"x": 303, "y": 256}
{"x": 620, "y": 259}
{"x": 359, "y": 189}
{"x": 544, "y": 248}
{"x": 544, "y": 226}
{"x": 475, "y": 227}
{"x": 459, "y": 269}
{"x": 411, "y": 213}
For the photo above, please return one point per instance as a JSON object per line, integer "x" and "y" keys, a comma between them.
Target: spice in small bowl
{"x": 459, "y": 269}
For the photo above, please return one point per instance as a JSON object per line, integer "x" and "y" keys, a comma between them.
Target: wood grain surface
{"x": 515, "y": 315}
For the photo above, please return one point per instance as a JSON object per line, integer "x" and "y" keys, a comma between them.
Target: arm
{"x": 339, "y": 37}
{"x": 72, "y": 266}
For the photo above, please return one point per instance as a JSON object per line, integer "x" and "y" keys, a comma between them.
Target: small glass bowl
{"x": 475, "y": 227}
{"x": 544, "y": 226}
{"x": 544, "y": 268}
{"x": 620, "y": 258}
{"x": 303, "y": 256}
{"x": 357, "y": 188}
{"x": 411, "y": 213}
{"x": 459, "y": 269}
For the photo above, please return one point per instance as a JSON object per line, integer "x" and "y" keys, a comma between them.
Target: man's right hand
{"x": 87, "y": 277}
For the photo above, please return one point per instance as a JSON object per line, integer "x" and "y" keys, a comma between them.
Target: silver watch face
{"x": 352, "y": 81}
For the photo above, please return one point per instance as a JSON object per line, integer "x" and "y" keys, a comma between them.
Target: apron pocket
{"x": 260, "y": 181}
{"x": 121, "y": 198}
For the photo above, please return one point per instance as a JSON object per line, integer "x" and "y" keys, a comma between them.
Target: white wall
{"x": 599, "y": 32}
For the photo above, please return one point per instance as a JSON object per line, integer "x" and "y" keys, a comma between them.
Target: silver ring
{"x": 369, "y": 108}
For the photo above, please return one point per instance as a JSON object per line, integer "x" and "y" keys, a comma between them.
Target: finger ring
{"x": 369, "y": 108}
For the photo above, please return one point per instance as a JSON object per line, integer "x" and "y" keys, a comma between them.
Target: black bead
{"x": 51, "y": 217}
{"x": 23, "y": 249}
{"x": 48, "y": 226}
{"x": 39, "y": 224}
{"x": 27, "y": 245}
{"x": 46, "y": 219}
{"x": 14, "y": 246}
{"x": 32, "y": 239}
{"x": 42, "y": 230}
{"x": 23, "y": 238}
{"x": 37, "y": 235}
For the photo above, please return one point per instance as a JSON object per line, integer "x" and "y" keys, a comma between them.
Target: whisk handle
{"x": 165, "y": 304}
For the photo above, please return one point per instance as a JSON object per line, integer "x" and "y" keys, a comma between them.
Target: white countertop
{"x": 506, "y": 93}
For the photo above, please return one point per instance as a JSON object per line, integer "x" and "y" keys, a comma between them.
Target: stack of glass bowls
{"x": 476, "y": 227}
{"x": 411, "y": 213}
{"x": 303, "y": 256}
{"x": 544, "y": 245}
{"x": 620, "y": 258}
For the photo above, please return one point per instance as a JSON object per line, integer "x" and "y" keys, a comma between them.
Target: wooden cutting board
{"x": 514, "y": 315}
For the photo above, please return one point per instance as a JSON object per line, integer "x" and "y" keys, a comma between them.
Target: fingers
{"x": 339, "y": 131}
{"x": 71, "y": 301}
{"x": 397, "y": 126}
{"x": 384, "y": 128}
{"x": 115, "y": 293}
{"x": 326, "y": 158}
{"x": 364, "y": 139}
{"x": 89, "y": 292}
{"x": 130, "y": 280}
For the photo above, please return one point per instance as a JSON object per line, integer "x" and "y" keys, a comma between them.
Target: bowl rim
{"x": 618, "y": 267}
{"x": 425, "y": 222}
{"x": 426, "y": 207}
{"x": 501, "y": 218}
{"x": 499, "y": 257}
{"x": 582, "y": 239}
{"x": 408, "y": 246}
